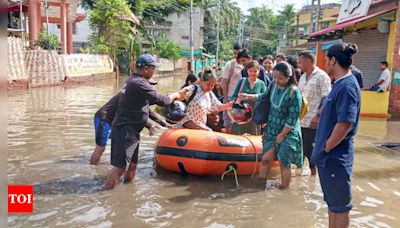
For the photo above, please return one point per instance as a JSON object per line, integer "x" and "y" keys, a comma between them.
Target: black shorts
{"x": 308, "y": 136}
{"x": 125, "y": 145}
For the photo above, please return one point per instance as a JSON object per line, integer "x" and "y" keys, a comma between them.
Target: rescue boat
{"x": 202, "y": 152}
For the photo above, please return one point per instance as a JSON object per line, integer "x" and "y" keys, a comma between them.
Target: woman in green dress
{"x": 248, "y": 89}
{"x": 282, "y": 136}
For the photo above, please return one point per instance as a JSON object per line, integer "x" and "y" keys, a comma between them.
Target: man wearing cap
{"x": 132, "y": 114}
{"x": 102, "y": 125}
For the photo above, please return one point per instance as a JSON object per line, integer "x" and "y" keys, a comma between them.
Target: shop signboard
{"x": 84, "y": 65}
{"x": 352, "y": 9}
{"x": 396, "y": 78}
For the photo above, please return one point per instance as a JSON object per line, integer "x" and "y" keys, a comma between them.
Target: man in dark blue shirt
{"x": 132, "y": 115}
{"x": 334, "y": 147}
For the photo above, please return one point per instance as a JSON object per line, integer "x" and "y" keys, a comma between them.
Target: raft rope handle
{"x": 231, "y": 168}
{"x": 255, "y": 152}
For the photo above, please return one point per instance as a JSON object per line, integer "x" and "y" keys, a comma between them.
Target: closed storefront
{"x": 373, "y": 46}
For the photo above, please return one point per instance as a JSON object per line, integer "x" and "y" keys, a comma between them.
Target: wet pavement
{"x": 51, "y": 138}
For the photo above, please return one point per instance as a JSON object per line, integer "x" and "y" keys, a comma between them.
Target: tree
{"x": 261, "y": 31}
{"x": 111, "y": 32}
{"x": 286, "y": 18}
{"x": 165, "y": 48}
{"x": 230, "y": 16}
{"x": 47, "y": 41}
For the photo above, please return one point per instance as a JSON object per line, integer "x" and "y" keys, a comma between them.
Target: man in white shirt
{"x": 231, "y": 75}
{"x": 314, "y": 85}
{"x": 384, "y": 80}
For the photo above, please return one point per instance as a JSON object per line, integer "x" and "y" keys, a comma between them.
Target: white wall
{"x": 83, "y": 30}
{"x": 181, "y": 27}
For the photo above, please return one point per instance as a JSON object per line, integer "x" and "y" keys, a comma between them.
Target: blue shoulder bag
{"x": 261, "y": 112}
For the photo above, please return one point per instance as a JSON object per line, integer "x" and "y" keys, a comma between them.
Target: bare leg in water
{"x": 266, "y": 163}
{"x": 96, "y": 155}
{"x": 130, "y": 173}
{"x": 113, "y": 178}
{"x": 339, "y": 220}
{"x": 286, "y": 175}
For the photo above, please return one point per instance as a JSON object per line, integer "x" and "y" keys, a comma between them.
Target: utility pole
{"x": 317, "y": 16}
{"x": 191, "y": 38}
{"x": 218, "y": 24}
{"x": 46, "y": 7}
{"x": 297, "y": 28}
{"x": 287, "y": 33}
{"x": 311, "y": 17}
{"x": 241, "y": 33}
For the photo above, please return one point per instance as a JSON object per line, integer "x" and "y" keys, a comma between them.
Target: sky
{"x": 277, "y": 4}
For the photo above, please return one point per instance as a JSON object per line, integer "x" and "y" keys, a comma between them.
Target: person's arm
{"x": 225, "y": 81}
{"x": 235, "y": 93}
{"x": 294, "y": 115}
{"x": 347, "y": 114}
{"x": 325, "y": 86}
{"x": 155, "y": 97}
{"x": 380, "y": 82}
{"x": 254, "y": 97}
{"x": 339, "y": 133}
{"x": 224, "y": 107}
{"x": 148, "y": 125}
{"x": 157, "y": 118}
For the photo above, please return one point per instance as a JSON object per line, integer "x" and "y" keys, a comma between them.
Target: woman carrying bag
{"x": 248, "y": 89}
{"x": 282, "y": 136}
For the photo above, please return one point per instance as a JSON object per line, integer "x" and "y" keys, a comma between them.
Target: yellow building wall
{"x": 374, "y": 104}
{"x": 392, "y": 39}
{"x": 304, "y": 21}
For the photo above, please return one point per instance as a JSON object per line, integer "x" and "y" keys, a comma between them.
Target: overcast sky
{"x": 277, "y": 4}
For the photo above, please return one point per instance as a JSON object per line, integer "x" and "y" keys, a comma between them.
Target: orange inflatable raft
{"x": 208, "y": 153}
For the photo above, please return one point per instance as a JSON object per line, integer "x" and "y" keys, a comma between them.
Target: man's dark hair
{"x": 244, "y": 53}
{"x": 308, "y": 55}
{"x": 385, "y": 63}
{"x": 237, "y": 46}
{"x": 292, "y": 60}
{"x": 343, "y": 53}
{"x": 283, "y": 56}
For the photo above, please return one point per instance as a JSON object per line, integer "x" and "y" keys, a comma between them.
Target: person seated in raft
{"x": 247, "y": 90}
{"x": 203, "y": 103}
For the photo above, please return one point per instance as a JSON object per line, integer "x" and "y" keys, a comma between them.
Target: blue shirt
{"x": 341, "y": 105}
{"x": 262, "y": 75}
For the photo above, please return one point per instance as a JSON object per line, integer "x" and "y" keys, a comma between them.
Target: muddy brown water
{"x": 50, "y": 140}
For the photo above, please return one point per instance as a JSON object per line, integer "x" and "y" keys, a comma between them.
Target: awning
{"x": 196, "y": 53}
{"x": 350, "y": 22}
{"x": 326, "y": 45}
{"x": 16, "y": 8}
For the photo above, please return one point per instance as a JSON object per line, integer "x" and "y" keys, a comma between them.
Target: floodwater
{"x": 50, "y": 140}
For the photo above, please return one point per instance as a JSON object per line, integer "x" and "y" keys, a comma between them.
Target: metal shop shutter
{"x": 372, "y": 49}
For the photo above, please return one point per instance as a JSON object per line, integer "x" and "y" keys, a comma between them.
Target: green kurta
{"x": 285, "y": 110}
{"x": 251, "y": 127}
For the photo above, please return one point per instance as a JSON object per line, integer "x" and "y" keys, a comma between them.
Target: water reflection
{"x": 50, "y": 140}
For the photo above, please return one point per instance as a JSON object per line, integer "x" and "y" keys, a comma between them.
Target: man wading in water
{"x": 133, "y": 112}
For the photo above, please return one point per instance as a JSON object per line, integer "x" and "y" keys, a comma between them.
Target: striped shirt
{"x": 314, "y": 89}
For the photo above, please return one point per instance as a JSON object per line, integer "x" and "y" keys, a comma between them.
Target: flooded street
{"x": 51, "y": 138}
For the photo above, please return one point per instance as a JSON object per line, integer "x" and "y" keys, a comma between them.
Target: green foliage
{"x": 264, "y": 28}
{"x": 230, "y": 16}
{"x": 111, "y": 33}
{"x": 165, "y": 48}
{"x": 47, "y": 41}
